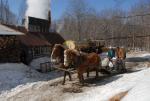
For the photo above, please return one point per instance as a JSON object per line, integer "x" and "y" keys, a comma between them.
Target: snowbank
{"x": 141, "y": 90}
{"x": 29, "y": 85}
{"x": 13, "y": 75}
{"x": 114, "y": 85}
{"x": 102, "y": 91}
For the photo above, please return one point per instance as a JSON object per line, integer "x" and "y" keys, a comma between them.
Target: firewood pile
{"x": 9, "y": 49}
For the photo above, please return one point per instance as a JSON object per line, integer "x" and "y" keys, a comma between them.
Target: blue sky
{"x": 59, "y": 6}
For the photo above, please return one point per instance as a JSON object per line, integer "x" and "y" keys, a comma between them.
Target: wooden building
{"x": 9, "y": 45}
{"x": 33, "y": 47}
{"x": 37, "y": 25}
{"x": 37, "y": 41}
{"x": 25, "y": 43}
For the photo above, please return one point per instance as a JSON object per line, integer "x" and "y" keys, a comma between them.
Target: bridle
{"x": 79, "y": 59}
{"x": 58, "y": 60}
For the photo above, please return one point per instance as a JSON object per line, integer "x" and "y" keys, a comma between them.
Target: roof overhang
{"x": 8, "y": 31}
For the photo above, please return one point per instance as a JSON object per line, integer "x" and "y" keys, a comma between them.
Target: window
{"x": 39, "y": 51}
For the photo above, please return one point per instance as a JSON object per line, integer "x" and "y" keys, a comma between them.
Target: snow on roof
{"x": 8, "y": 31}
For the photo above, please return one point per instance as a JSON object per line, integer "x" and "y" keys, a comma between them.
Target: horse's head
{"x": 57, "y": 53}
{"x": 70, "y": 57}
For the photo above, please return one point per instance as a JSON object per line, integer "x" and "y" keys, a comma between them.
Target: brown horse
{"x": 57, "y": 56}
{"x": 83, "y": 62}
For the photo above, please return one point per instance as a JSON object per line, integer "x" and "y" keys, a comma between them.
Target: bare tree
{"x": 130, "y": 29}
{"x": 76, "y": 19}
{"x": 6, "y": 16}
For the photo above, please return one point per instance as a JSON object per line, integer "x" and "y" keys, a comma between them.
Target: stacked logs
{"x": 9, "y": 49}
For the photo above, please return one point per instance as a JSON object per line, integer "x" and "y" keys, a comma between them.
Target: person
{"x": 111, "y": 53}
{"x": 120, "y": 61}
{"x": 120, "y": 53}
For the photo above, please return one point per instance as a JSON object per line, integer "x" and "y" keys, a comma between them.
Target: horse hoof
{"x": 81, "y": 82}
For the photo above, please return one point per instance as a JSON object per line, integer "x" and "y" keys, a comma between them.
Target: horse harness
{"x": 79, "y": 59}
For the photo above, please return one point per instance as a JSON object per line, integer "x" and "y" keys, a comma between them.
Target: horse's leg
{"x": 97, "y": 71}
{"x": 82, "y": 79}
{"x": 65, "y": 73}
{"x": 88, "y": 72}
{"x": 123, "y": 66}
{"x": 80, "y": 76}
{"x": 69, "y": 76}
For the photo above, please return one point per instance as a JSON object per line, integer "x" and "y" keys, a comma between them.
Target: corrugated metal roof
{"x": 8, "y": 31}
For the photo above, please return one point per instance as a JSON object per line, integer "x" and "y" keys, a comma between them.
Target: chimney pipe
{"x": 49, "y": 18}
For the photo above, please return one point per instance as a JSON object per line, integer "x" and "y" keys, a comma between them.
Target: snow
{"x": 19, "y": 82}
{"x": 13, "y": 75}
{"x": 8, "y": 31}
{"x": 35, "y": 64}
{"x": 103, "y": 90}
{"x": 141, "y": 91}
{"x": 120, "y": 83}
{"x": 138, "y": 54}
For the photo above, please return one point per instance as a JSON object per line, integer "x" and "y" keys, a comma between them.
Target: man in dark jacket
{"x": 111, "y": 53}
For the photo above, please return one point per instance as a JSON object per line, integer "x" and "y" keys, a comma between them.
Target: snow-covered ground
{"x": 138, "y": 54}
{"x": 35, "y": 64}
{"x": 141, "y": 91}
{"x": 136, "y": 83}
{"x": 19, "y": 82}
{"x": 12, "y": 75}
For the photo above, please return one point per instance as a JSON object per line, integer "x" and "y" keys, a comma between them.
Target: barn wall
{"x": 28, "y": 52}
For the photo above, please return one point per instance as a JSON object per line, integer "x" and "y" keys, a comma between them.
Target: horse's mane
{"x": 59, "y": 45}
{"x": 80, "y": 57}
{"x": 72, "y": 51}
{"x": 70, "y": 44}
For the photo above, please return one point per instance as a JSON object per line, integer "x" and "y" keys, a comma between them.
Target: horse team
{"x": 82, "y": 60}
